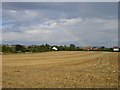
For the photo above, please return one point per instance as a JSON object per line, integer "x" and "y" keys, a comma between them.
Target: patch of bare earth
{"x": 61, "y": 70}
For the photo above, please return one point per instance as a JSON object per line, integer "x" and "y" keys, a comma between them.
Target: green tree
{"x": 20, "y": 48}
{"x": 61, "y": 48}
{"x": 47, "y": 47}
{"x": 72, "y": 47}
{"x": 0, "y": 48}
{"x": 5, "y": 49}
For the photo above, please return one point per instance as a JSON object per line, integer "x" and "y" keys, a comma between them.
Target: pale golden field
{"x": 62, "y": 69}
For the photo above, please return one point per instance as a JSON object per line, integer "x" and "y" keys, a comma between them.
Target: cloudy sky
{"x": 80, "y": 23}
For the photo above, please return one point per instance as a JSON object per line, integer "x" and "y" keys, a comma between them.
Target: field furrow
{"x": 67, "y": 69}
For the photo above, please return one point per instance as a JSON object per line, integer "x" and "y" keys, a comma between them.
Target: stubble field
{"x": 63, "y": 69}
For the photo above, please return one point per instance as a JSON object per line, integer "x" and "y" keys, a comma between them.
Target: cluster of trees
{"x": 36, "y": 48}
{"x": 43, "y": 48}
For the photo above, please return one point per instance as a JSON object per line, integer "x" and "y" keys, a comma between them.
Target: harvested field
{"x": 64, "y": 69}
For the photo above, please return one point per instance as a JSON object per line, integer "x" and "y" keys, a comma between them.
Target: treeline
{"x": 46, "y": 48}
{"x": 36, "y": 48}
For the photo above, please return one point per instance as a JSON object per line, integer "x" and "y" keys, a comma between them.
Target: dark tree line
{"x": 36, "y": 48}
{"x": 44, "y": 48}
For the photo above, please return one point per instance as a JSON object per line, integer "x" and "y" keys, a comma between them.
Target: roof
{"x": 54, "y": 48}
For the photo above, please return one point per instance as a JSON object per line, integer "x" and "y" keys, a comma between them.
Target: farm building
{"x": 87, "y": 48}
{"x": 115, "y": 49}
{"x": 90, "y": 48}
{"x": 54, "y": 48}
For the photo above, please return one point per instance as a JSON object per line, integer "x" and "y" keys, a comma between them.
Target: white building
{"x": 115, "y": 49}
{"x": 54, "y": 48}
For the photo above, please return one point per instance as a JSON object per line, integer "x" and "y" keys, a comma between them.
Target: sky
{"x": 60, "y": 23}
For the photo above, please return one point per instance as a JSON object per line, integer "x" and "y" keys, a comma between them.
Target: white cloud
{"x": 21, "y": 15}
{"x": 39, "y": 31}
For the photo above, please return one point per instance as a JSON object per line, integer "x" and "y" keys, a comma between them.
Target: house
{"x": 90, "y": 48}
{"x": 115, "y": 49}
{"x": 87, "y": 48}
{"x": 55, "y": 48}
{"x": 95, "y": 48}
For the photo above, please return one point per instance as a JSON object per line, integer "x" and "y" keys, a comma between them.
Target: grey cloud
{"x": 74, "y": 8}
{"x": 60, "y": 23}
